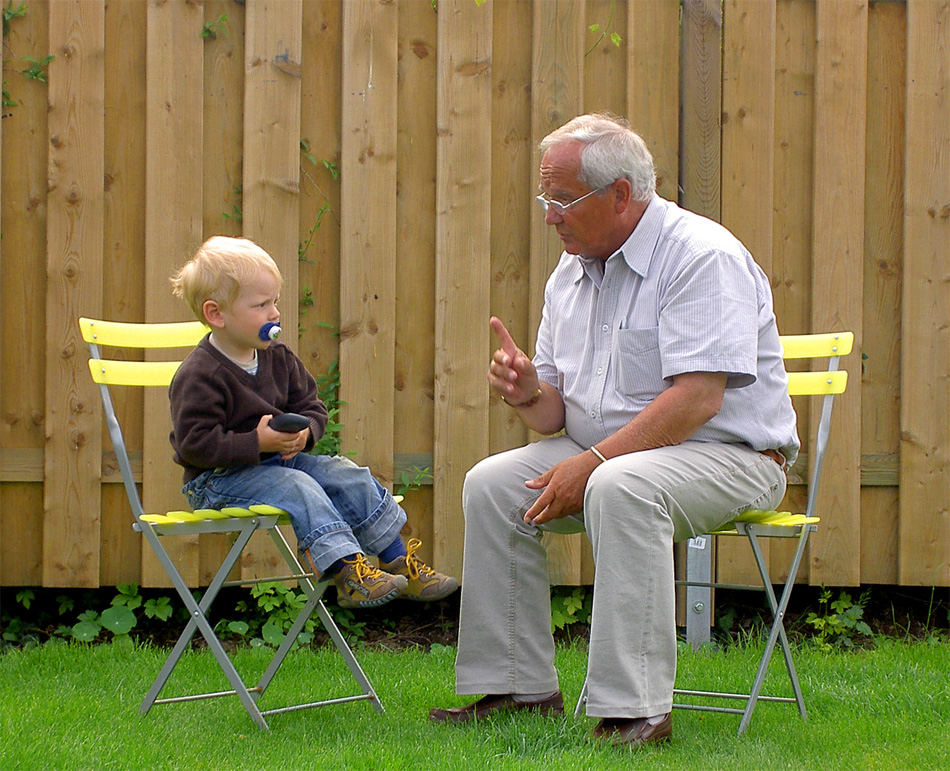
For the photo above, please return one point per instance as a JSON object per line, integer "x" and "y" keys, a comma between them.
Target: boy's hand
{"x": 288, "y": 445}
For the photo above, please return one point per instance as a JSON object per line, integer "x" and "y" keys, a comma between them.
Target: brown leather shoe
{"x": 633, "y": 732}
{"x": 494, "y": 703}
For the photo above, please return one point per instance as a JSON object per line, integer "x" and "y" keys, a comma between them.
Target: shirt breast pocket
{"x": 639, "y": 370}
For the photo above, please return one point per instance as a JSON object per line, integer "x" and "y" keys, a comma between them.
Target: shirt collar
{"x": 637, "y": 250}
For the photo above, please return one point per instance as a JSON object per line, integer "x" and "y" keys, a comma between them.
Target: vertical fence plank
{"x": 653, "y": 85}
{"x": 74, "y": 255}
{"x": 222, "y": 172}
{"x": 25, "y": 182}
{"x": 272, "y": 141}
{"x": 463, "y": 239}
{"x": 653, "y": 109}
{"x": 272, "y": 85}
{"x": 557, "y": 96}
{"x": 700, "y": 141}
{"x": 837, "y": 270}
{"x": 173, "y": 230}
{"x": 925, "y": 387}
{"x": 123, "y": 262}
{"x": 699, "y": 132}
{"x": 883, "y": 264}
{"x": 415, "y": 269}
{"x": 605, "y": 62}
{"x": 223, "y": 118}
{"x": 319, "y": 269}
{"x": 513, "y": 185}
{"x": 368, "y": 233}
{"x": 748, "y": 126}
{"x": 794, "y": 170}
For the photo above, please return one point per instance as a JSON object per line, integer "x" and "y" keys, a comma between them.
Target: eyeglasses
{"x": 560, "y": 208}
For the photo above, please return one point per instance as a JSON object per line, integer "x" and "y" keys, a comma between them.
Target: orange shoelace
{"x": 362, "y": 569}
{"x": 415, "y": 566}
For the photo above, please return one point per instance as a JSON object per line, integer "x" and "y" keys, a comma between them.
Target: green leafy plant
{"x": 37, "y": 68}
{"x": 412, "y": 479}
{"x": 604, "y": 31}
{"x": 276, "y": 606}
{"x": 333, "y": 169}
{"x": 838, "y": 622}
{"x": 10, "y": 13}
{"x": 211, "y": 29}
{"x": 569, "y": 605}
{"x": 236, "y": 213}
{"x": 348, "y": 622}
{"x": 328, "y": 389}
{"x": 8, "y": 100}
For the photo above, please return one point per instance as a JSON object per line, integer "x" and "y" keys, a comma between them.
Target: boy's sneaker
{"x": 360, "y": 585}
{"x": 424, "y": 583}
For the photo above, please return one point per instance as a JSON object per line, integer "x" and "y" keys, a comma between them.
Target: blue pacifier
{"x": 270, "y": 331}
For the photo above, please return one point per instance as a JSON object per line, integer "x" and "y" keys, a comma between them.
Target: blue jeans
{"x": 336, "y": 507}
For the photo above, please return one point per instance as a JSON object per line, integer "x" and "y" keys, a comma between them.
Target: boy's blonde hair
{"x": 220, "y": 267}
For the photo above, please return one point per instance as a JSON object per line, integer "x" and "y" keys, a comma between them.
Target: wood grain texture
{"x": 71, "y": 517}
{"x": 924, "y": 556}
{"x": 463, "y": 263}
{"x": 838, "y": 270}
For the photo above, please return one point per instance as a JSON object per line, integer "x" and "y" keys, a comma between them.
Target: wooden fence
{"x": 385, "y": 154}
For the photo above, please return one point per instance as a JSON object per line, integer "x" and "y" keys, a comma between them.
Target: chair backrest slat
{"x": 178, "y": 334}
{"x": 133, "y": 373}
{"x": 817, "y": 383}
{"x": 828, "y": 344}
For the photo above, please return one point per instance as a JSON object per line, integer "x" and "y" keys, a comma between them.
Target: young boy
{"x": 222, "y": 400}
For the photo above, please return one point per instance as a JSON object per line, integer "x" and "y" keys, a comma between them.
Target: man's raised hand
{"x": 511, "y": 373}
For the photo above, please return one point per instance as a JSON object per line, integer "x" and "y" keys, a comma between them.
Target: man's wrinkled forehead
{"x": 560, "y": 165}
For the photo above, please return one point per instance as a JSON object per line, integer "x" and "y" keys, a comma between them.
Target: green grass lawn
{"x": 71, "y": 706}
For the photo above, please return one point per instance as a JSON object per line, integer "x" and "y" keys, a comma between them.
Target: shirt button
{"x": 605, "y": 328}
{"x": 593, "y": 414}
{"x": 600, "y": 370}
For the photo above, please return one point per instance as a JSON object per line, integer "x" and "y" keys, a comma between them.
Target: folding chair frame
{"x": 756, "y": 524}
{"x": 241, "y": 523}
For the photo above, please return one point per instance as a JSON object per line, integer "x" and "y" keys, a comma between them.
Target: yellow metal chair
{"x": 755, "y": 524}
{"x": 241, "y": 524}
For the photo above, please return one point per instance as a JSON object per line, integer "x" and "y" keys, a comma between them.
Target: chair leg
{"x": 314, "y": 594}
{"x": 581, "y": 700}
{"x": 199, "y": 622}
{"x": 777, "y": 632}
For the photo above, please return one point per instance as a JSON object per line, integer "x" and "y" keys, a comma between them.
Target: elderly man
{"x": 658, "y": 355}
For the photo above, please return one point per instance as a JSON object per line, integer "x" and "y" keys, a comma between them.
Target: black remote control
{"x": 289, "y": 422}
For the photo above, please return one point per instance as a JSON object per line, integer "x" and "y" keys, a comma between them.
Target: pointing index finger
{"x": 504, "y": 337}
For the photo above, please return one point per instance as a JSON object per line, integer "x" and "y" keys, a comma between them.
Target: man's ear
{"x": 623, "y": 191}
{"x": 212, "y": 313}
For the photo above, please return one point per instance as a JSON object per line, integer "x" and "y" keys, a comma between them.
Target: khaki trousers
{"x": 635, "y": 507}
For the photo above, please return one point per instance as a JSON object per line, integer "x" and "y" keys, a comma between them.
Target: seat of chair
{"x": 766, "y": 519}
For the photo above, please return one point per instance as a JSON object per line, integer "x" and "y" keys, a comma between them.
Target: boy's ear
{"x": 212, "y": 313}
